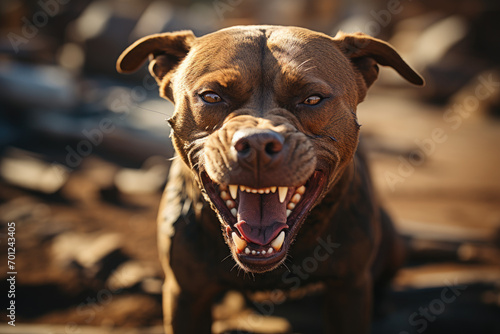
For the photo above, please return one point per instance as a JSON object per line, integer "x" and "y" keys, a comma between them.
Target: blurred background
{"x": 84, "y": 155}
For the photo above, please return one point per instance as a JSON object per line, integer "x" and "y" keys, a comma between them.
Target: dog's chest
{"x": 278, "y": 296}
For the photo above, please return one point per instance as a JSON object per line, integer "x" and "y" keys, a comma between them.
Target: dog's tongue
{"x": 260, "y": 217}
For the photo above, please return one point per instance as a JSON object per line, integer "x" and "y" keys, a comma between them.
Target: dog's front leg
{"x": 348, "y": 307}
{"x": 187, "y": 311}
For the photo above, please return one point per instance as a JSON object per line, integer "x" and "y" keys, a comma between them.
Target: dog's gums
{"x": 260, "y": 224}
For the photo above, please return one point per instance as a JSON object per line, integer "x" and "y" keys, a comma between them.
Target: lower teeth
{"x": 263, "y": 252}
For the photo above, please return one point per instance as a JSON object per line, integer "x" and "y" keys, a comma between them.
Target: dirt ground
{"x": 439, "y": 179}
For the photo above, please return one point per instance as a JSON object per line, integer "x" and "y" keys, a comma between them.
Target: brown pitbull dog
{"x": 266, "y": 130}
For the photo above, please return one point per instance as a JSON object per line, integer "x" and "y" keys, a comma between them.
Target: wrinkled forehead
{"x": 272, "y": 51}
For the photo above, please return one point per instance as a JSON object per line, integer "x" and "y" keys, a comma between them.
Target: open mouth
{"x": 262, "y": 223}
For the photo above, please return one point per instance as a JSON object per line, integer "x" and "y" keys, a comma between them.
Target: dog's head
{"x": 265, "y": 117}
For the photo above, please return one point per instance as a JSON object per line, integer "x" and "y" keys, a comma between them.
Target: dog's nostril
{"x": 274, "y": 147}
{"x": 242, "y": 146}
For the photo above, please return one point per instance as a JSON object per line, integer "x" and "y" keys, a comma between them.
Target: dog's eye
{"x": 312, "y": 100}
{"x": 210, "y": 97}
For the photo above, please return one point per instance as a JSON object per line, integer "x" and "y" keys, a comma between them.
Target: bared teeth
{"x": 233, "y": 190}
{"x": 240, "y": 243}
{"x": 300, "y": 190}
{"x": 247, "y": 250}
{"x": 278, "y": 241}
{"x": 229, "y": 193}
{"x": 282, "y": 193}
{"x": 260, "y": 191}
{"x": 296, "y": 198}
{"x": 225, "y": 195}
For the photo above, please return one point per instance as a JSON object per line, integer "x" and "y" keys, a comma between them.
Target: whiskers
{"x": 284, "y": 265}
{"x": 301, "y": 65}
{"x": 245, "y": 273}
{"x": 250, "y": 274}
{"x": 236, "y": 266}
{"x": 173, "y": 158}
{"x": 150, "y": 110}
{"x": 227, "y": 257}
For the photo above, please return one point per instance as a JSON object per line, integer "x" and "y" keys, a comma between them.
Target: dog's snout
{"x": 254, "y": 145}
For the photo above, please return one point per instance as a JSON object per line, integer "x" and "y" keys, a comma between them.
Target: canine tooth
{"x": 240, "y": 243}
{"x": 290, "y": 206}
{"x": 273, "y": 189}
{"x": 247, "y": 251}
{"x": 282, "y": 193}
{"x": 230, "y": 204}
{"x": 288, "y": 212}
{"x": 234, "y": 211}
{"x": 233, "y": 189}
{"x": 270, "y": 250}
{"x": 224, "y": 195}
{"x": 296, "y": 198}
{"x": 278, "y": 242}
{"x": 261, "y": 191}
{"x": 300, "y": 190}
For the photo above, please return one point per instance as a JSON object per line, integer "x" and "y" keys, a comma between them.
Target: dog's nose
{"x": 257, "y": 145}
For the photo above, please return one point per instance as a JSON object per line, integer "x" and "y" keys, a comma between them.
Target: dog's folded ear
{"x": 366, "y": 52}
{"x": 164, "y": 50}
